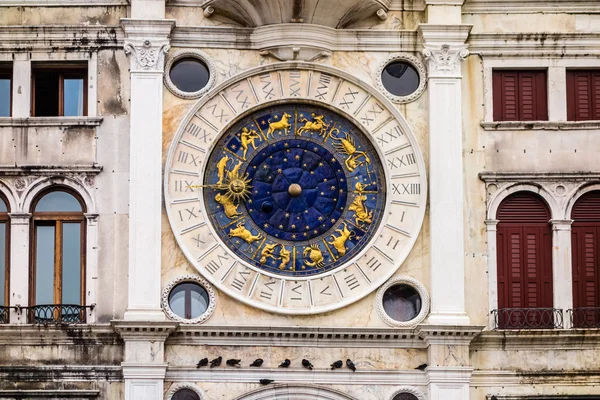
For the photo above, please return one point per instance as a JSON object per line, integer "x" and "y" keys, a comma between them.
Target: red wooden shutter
{"x": 583, "y": 95}
{"x": 519, "y": 95}
{"x": 585, "y": 255}
{"x": 524, "y": 247}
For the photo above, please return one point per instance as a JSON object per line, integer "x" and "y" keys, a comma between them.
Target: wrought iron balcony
{"x": 56, "y": 313}
{"x": 528, "y": 318}
{"x": 585, "y": 317}
{"x": 4, "y": 314}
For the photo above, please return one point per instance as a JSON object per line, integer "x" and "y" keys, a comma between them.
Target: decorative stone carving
{"x": 212, "y": 301}
{"x": 415, "y": 62}
{"x": 415, "y": 284}
{"x": 147, "y": 55}
{"x": 411, "y": 390}
{"x": 445, "y": 59}
{"x": 287, "y": 53}
{"x": 183, "y": 385}
{"x": 200, "y": 55}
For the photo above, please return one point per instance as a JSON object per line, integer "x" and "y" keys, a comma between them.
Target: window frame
{"x": 6, "y": 71}
{"x": 68, "y": 70}
{"x": 5, "y": 217}
{"x": 57, "y": 219}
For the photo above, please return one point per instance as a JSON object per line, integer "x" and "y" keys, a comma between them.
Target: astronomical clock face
{"x": 295, "y": 190}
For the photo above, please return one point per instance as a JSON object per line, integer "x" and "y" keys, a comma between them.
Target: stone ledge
{"x": 540, "y": 125}
{"x": 530, "y": 6}
{"x": 48, "y": 170}
{"x": 42, "y": 373}
{"x": 64, "y": 3}
{"x": 538, "y": 339}
{"x": 36, "y": 335}
{"x": 539, "y": 176}
{"x": 50, "y": 121}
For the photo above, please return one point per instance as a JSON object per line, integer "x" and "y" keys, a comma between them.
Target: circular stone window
{"x": 402, "y": 302}
{"x": 188, "y": 299}
{"x": 189, "y": 74}
{"x": 402, "y": 78}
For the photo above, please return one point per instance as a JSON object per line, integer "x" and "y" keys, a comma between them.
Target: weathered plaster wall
{"x": 62, "y": 15}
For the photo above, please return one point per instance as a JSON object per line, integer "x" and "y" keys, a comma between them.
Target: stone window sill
{"x": 50, "y": 121}
{"x": 539, "y": 125}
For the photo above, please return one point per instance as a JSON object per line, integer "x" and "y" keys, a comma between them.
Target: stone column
{"x": 91, "y": 270}
{"x": 146, "y": 43}
{"x": 19, "y": 266}
{"x": 445, "y": 49}
{"x": 492, "y": 262}
{"x": 562, "y": 278}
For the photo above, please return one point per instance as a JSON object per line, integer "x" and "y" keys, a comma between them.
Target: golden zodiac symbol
{"x": 243, "y": 233}
{"x": 339, "y": 243}
{"x": 229, "y": 207}
{"x": 347, "y": 146}
{"x": 248, "y": 137}
{"x": 267, "y": 252}
{"x": 284, "y": 254}
{"x": 221, "y": 165}
{"x": 315, "y": 255}
{"x": 279, "y": 125}
{"x": 362, "y": 216}
{"x": 316, "y": 125}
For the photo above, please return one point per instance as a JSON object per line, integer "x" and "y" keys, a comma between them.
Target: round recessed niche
{"x": 408, "y": 393}
{"x": 402, "y": 302}
{"x": 188, "y": 299}
{"x": 184, "y": 391}
{"x": 405, "y": 396}
{"x": 185, "y": 394}
{"x": 402, "y": 78}
{"x": 189, "y": 74}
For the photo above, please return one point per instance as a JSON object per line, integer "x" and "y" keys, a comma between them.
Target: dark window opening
{"x": 400, "y": 78}
{"x": 5, "y": 90}
{"x": 189, "y": 75}
{"x": 188, "y": 300}
{"x": 402, "y": 303}
{"x": 59, "y": 90}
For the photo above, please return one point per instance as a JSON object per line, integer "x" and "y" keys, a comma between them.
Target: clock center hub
{"x": 295, "y": 190}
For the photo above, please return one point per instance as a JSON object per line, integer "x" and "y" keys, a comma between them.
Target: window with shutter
{"x": 585, "y": 233}
{"x": 524, "y": 259}
{"x": 519, "y": 95}
{"x": 583, "y": 95}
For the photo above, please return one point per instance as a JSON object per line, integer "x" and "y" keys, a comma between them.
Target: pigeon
{"x": 422, "y": 367}
{"x": 337, "y": 364}
{"x": 285, "y": 364}
{"x": 202, "y": 363}
{"x": 350, "y": 365}
{"x": 307, "y": 364}
{"x": 266, "y": 381}
{"x": 216, "y": 362}
{"x": 257, "y": 363}
{"x": 233, "y": 362}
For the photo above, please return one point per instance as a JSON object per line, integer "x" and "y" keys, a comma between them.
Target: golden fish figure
{"x": 283, "y": 124}
{"x": 247, "y": 138}
{"x": 347, "y": 146}
{"x": 221, "y": 165}
{"x": 316, "y": 125}
{"x": 268, "y": 252}
{"x": 339, "y": 242}
{"x": 362, "y": 216}
{"x": 243, "y": 233}
{"x": 315, "y": 255}
{"x": 285, "y": 256}
{"x": 229, "y": 207}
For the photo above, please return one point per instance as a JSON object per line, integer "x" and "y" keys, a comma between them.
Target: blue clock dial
{"x": 294, "y": 190}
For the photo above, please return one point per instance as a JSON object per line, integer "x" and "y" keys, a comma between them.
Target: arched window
{"x": 4, "y": 259}
{"x": 524, "y": 251}
{"x": 585, "y": 239}
{"x": 57, "y": 289}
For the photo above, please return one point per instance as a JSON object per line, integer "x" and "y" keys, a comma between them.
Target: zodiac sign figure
{"x": 279, "y": 125}
{"x": 339, "y": 243}
{"x": 316, "y": 125}
{"x": 221, "y": 165}
{"x": 243, "y": 233}
{"x": 284, "y": 255}
{"x": 347, "y": 146}
{"x": 315, "y": 255}
{"x": 362, "y": 216}
{"x": 268, "y": 252}
{"x": 229, "y": 207}
{"x": 248, "y": 137}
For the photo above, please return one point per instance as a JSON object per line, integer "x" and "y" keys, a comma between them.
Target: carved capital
{"x": 445, "y": 59}
{"x": 147, "y": 55}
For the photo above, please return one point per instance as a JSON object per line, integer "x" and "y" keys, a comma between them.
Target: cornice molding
{"x": 50, "y": 121}
{"x": 43, "y": 373}
{"x": 535, "y": 44}
{"x": 530, "y": 6}
{"x": 294, "y": 35}
{"x": 36, "y": 335}
{"x": 540, "y": 125}
{"x": 495, "y": 378}
{"x": 449, "y": 334}
{"x": 63, "y": 3}
{"x": 537, "y": 339}
{"x": 22, "y": 38}
{"x": 523, "y": 177}
{"x": 49, "y": 393}
{"x": 143, "y": 330}
{"x": 49, "y": 170}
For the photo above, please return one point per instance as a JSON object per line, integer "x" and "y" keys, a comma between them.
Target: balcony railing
{"x": 56, "y": 313}
{"x": 4, "y": 314}
{"x": 528, "y": 318}
{"x": 585, "y": 317}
